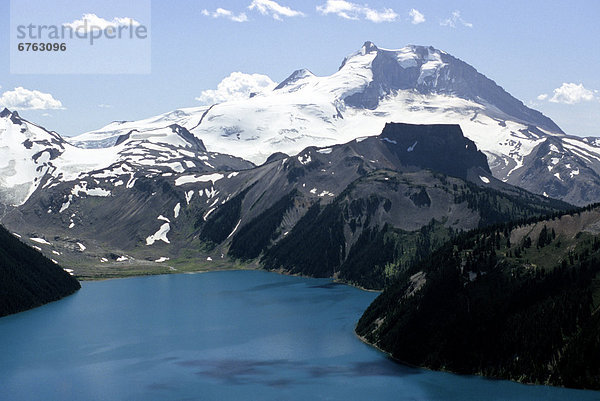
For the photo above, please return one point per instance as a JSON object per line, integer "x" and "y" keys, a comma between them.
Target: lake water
{"x": 234, "y": 335}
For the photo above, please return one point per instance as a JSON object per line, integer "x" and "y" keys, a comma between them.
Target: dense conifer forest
{"x": 519, "y": 301}
{"x": 319, "y": 246}
{"x": 27, "y": 278}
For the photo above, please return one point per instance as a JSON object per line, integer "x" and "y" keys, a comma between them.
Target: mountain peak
{"x": 430, "y": 71}
{"x": 12, "y": 115}
{"x": 174, "y": 135}
{"x": 5, "y": 113}
{"x": 369, "y": 47}
{"x": 295, "y": 77}
{"x": 419, "y": 51}
{"x": 195, "y": 143}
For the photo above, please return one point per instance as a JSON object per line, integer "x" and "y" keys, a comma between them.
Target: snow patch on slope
{"x": 160, "y": 235}
{"x": 188, "y": 179}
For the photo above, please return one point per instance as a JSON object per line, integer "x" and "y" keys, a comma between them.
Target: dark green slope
{"x": 514, "y": 301}
{"x": 387, "y": 220}
{"x": 258, "y": 234}
{"x": 27, "y": 278}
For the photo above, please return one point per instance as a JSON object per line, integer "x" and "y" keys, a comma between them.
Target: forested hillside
{"x": 519, "y": 301}
{"x": 381, "y": 224}
{"x": 27, "y": 278}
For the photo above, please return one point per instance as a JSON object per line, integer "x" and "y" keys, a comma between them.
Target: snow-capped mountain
{"x": 32, "y": 157}
{"x": 27, "y": 153}
{"x": 414, "y": 84}
{"x": 108, "y": 135}
{"x": 408, "y": 177}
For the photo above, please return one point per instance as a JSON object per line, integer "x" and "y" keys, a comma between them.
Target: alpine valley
{"x": 162, "y": 197}
{"x": 137, "y": 192}
{"x": 201, "y": 183}
{"x": 406, "y": 169}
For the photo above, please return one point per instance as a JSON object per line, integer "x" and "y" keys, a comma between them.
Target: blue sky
{"x": 530, "y": 48}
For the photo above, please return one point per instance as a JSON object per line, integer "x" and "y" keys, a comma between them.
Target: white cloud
{"x": 91, "y": 22}
{"x": 223, "y": 13}
{"x": 455, "y": 19}
{"x": 340, "y": 8}
{"x": 237, "y": 86}
{"x": 543, "y": 96}
{"x": 46, "y": 115}
{"x": 274, "y": 9}
{"x": 105, "y": 106}
{"x": 416, "y": 16}
{"x": 354, "y": 11}
{"x": 387, "y": 15}
{"x": 570, "y": 93}
{"x": 25, "y": 99}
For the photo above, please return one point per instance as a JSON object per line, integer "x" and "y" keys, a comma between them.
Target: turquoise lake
{"x": 232, "y": 335}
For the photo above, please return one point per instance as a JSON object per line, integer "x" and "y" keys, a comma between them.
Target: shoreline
{"x": 480, "y": 375}
{"x": 248, "y": 267}
{"x": 167, "y": 273}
